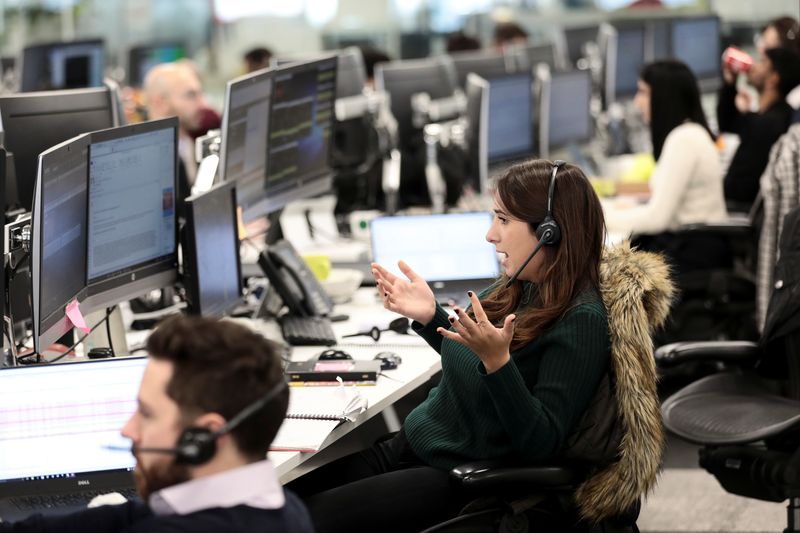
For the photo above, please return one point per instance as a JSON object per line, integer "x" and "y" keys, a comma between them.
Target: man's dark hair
{"x": 373, "y": 56}
{"x": 508, "y": 31}
{"x": 461, "y": 42}
{"x": 222, "y": 367}
{"x": 786, "y": 64}
{"x": 258, "y": 56}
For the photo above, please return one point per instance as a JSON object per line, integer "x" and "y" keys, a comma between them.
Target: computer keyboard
{"x": 307, "y": 331}
{"x": 73, "y": 499}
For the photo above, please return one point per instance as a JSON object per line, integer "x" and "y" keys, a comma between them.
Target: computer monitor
{"x": 142, "y": 58}
{"x": 63, "y": 65}
{"x": 402, "y": 79}
{"x": 527, "y": 57}
{"x": 486, "y": 64}
{"x": 696, "y": 42}
{"x": 245, "y": 131}
{"x": 351, "y": 72}
{"x": 33, "y": 122}
{"x": 624, "y": 58}
{"x": 658, "y": 39}
{"x": 131, "y": 245}
{"x": 510, "y": 130}
{"x": 477, "y": 90}
{"x": 212, "y": 273}
{"x": 300, "y": 132}
{"x": 58, "y": 238}
{"x": 564, "y": 109}
{"x": 576, "y": 39}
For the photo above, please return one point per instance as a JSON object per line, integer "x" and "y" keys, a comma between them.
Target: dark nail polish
{"x": 451, "y": 319}
{"x": 469, "y": 293}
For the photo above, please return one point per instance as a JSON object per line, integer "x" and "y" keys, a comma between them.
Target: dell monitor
{"x": 300, "y": 132}
{"x": 477, "y": 90}
{"x": 485, "y": 64}
{"x": 211, "y": 270}
{"x": 696, "y": 42}
{"x": 142, "y": 58}
{"x": 63, "y": 65}
{"x": 624, "y": 58}
{"x": 33, "y": 122}
{"x": 564, "y": 110}
{"x": 58, "y": 238}
{"x": 510, "y": 114}
{"x": 131, "y": 243}
{"x": 245, "y": 128}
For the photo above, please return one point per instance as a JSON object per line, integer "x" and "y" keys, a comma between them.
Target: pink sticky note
{"x": 74, "y": 315}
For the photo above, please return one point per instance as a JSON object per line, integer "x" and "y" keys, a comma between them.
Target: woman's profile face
{"x": 768, "y": 39}
{"x": 642, "y": 100}
{"x": 514, "y": 241}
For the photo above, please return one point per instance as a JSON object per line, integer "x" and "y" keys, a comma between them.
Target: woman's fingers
{"x": 465, "y": 320}
{"x": 477, "y": 308}
{"x": 410, "y": 274}
{"x": 385, "y": 274}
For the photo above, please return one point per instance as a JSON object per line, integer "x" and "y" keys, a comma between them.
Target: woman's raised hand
{"x": 412, "y": 298}
{"x": 491, "y": 344}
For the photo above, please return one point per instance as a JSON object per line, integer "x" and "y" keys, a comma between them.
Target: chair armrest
{"x": 725, "y": 351}
{"x": 491, "y": 476}
{"x": 732, "y": 227}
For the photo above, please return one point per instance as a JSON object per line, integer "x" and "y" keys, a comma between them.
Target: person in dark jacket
{"x": 773, "y": 76}
{"x": 210, "y": 474}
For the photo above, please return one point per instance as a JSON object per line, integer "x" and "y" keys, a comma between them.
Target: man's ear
{"x": 211, "y": 421}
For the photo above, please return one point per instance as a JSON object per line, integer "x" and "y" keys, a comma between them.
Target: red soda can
{"x": 737, "y": 60}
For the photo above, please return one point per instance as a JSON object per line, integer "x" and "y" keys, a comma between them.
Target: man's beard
{"x": 159, "y": 476}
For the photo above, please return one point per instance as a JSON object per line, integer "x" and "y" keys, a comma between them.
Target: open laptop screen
{"x": 56, "y": 420}
{"x": 437, "y": 247}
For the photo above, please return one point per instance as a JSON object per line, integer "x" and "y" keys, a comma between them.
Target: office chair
{"x": 747, "y": 417}
{"x": 576, "y": 492}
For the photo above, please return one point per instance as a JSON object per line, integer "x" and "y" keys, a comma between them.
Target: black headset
{"x": 197, "y": 445}
{"x": 548, "y": 232}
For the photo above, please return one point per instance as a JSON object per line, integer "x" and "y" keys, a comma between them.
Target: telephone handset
{"x": 294, "y": 281}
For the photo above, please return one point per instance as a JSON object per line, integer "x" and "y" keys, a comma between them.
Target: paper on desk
{"x": 302, "y": 435}
{"x": 306, "y": 427}
{"x": 76, "y": 317}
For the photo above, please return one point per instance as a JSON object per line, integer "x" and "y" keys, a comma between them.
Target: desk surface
{"x": 420, "y": 363}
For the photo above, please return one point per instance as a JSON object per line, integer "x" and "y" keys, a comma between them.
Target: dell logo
{"x": 83, "y": 483}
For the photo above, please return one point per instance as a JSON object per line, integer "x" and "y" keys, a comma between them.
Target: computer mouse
{"x": 334, "y": 355}
{"x": 389, "y": 360}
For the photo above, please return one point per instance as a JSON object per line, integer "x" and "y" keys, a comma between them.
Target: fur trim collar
{"x": 637, "y": 291}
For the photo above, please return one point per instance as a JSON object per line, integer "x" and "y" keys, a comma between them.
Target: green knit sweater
{"x": 525, "y": 410}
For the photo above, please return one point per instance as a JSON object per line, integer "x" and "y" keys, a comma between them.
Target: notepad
{"x": 313, "y": 413}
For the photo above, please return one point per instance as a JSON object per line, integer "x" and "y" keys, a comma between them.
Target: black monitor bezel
{"x": 191, "y": 280}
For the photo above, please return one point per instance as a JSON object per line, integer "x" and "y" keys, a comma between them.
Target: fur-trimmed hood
{"x": 637, "y": 293}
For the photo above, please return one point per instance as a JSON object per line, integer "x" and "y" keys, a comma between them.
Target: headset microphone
{"x": 547, "y": 232}
{"x": 197, "y": 445}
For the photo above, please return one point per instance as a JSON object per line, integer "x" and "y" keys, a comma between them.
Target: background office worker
{"x": 202, "y": 373}
{"x": 174, "y": 89}
{"x": 686, "y": 185}
{"x": 518, "y": 371}
{"x": 773, "y": 76}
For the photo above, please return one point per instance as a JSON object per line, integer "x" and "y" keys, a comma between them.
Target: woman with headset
{"x": 519, "y": 367}
{"x": 686, "y": 186}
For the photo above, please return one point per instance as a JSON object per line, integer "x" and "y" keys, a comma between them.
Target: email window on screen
{"x": 131, "y": 202}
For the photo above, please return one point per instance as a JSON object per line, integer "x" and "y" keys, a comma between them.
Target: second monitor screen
{"x": 300, "y": 124}
{"x": 125, "y": 175}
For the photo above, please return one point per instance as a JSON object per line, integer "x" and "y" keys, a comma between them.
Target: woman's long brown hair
{"x": 569, "y": 267}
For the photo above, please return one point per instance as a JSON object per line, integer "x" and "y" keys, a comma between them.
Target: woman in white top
{"x": 686, "y": 186}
